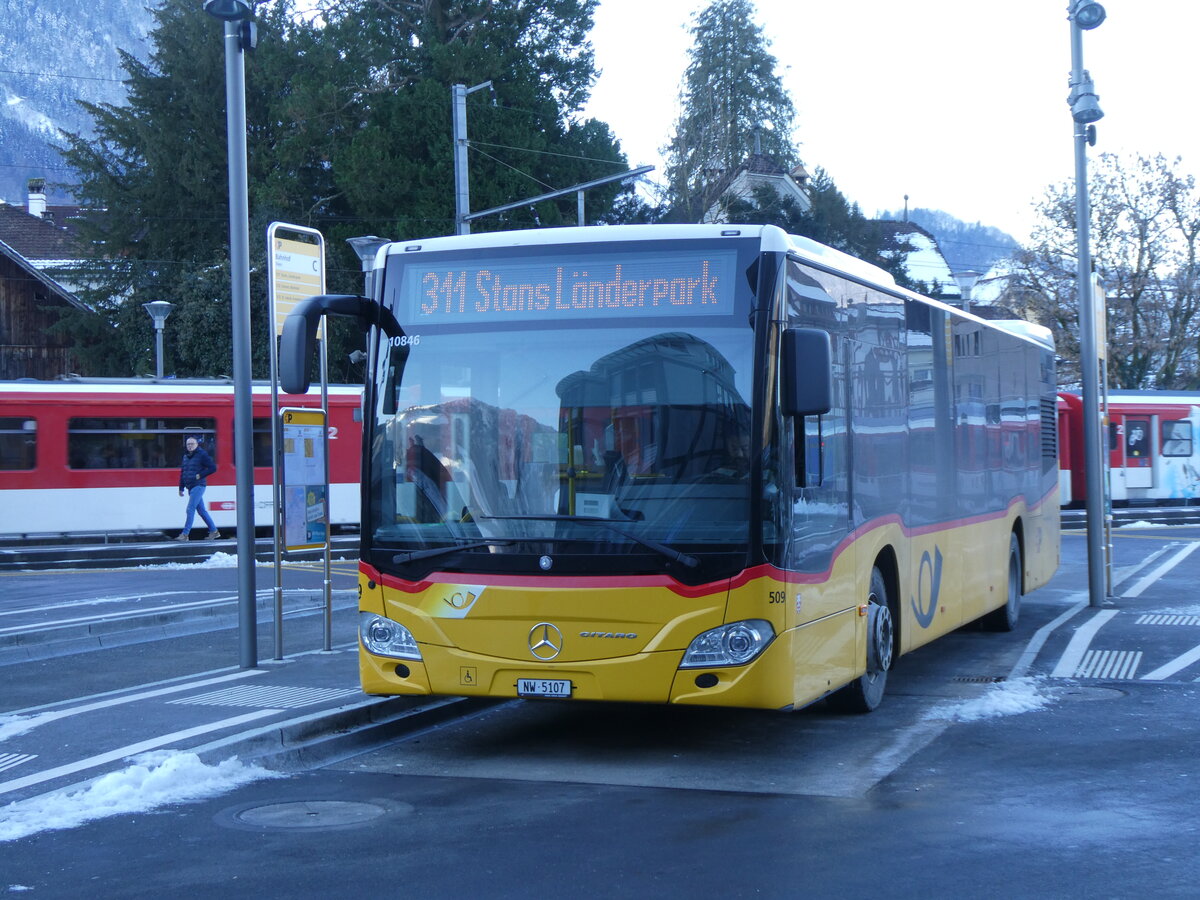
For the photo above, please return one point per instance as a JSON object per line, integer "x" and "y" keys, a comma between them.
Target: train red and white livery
{"x": 102, "y": 456}
{"x": 1152, "y": 448}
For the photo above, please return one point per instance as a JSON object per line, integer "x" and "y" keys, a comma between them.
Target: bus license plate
{"x": 543, "y": 687}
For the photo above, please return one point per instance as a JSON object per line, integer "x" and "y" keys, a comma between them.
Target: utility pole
{"x": 462, "y": 188}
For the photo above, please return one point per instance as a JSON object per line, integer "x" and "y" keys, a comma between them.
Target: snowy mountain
{"x": 55, "y": 53}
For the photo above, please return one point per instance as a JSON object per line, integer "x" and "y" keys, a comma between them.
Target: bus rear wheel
{"x": 865, "y": 693}
{"x": 1005, "y": 618}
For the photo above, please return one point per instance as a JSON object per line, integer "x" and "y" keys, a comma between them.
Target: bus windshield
{"x": 563, "y": 436}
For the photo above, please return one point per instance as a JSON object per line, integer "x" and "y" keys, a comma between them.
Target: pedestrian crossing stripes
{"x": 273, "y": 696}
{"x": 9, "y": 760}
{"x": 1108, "y": 664}
{"x": 1164, "y": 619}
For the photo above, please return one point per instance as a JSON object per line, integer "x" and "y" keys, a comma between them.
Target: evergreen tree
{"x": 731, "y": 92}
{"x": 348, "y": 131}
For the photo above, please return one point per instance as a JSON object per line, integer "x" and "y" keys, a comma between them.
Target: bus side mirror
{"x": 297, "y": 344}
{"x": 807, "y": 372}
{"x": 298, "y": 341}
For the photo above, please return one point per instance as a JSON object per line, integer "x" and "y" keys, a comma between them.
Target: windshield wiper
{"x": 649, "y": 543}
{"x": 414, "y": 555}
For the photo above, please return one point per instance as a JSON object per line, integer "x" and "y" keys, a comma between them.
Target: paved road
{"x": 1090, "y": 791}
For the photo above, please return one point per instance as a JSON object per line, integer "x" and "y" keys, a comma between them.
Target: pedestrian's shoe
{"x": 183, "y": 536}
{"x": 214, "y": 535}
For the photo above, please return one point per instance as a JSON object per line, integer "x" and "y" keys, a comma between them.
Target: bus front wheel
{"x": 865, "y": 693}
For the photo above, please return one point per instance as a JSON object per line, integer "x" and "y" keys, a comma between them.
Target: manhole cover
{"x": 310, "y": 814}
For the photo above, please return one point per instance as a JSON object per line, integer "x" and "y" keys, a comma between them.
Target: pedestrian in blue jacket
{"x": 197, "y": 465}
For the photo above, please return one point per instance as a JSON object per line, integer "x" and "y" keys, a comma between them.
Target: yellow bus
{"x": 714, "y": 465}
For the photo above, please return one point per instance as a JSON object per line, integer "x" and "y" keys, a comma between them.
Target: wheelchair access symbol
{"x": 922, "y": 610}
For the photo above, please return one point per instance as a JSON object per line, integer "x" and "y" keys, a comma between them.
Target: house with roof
{"x": 34, "y": 240}
{"x": 758, "y": 170}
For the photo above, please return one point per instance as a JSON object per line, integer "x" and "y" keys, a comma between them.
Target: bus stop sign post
{"x": 295, "y": 271}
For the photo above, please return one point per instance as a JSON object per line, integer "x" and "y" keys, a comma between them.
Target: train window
{"x": 1177, "y": 437}
{"x": 262, "y": 442}
{"x": 1137, "y": 438}
{"x": 134, "y": 443}
{"x": 18, "y": 443}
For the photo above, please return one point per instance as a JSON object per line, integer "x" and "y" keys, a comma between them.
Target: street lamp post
{"x": 158, "y": 310}
{"x": 239, "y": 35}
{"x": 1085, "y": 15}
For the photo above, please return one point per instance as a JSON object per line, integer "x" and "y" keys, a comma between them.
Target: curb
{"x": 317, "y": 739}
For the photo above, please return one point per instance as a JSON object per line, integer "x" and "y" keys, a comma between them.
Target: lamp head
{"x": 965, "y": 281}
{"x": 1087, "y": 14}
{"x": 228, "y": 10}
{"x": 365, "y": 248}
{"x": 158, "y": 311}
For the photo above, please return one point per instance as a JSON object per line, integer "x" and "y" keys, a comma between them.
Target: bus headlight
{"x": 383, "y": 637}
{"x": 730, "y": 645}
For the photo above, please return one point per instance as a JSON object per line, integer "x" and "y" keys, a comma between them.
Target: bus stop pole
{"x": 328, "y": 585}
{"x": 276, "y": 468}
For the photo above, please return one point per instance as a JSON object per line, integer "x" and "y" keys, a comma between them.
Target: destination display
{"x": 600, "y": 286}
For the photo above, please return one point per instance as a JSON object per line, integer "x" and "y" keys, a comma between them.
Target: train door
{"x": 1131, "y": 449}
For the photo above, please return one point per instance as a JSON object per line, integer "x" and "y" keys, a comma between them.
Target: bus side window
{"x": 810, "y": 460}
{"x": 1177, "y": 437}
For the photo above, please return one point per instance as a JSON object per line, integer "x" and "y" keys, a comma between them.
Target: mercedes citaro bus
{"x": 682, "y": 464}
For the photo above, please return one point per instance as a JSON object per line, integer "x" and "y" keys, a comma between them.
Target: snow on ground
{"x": 11, "y": 726}
{"x": 216, "y": 561}
{"x": 152, "y": 780}
{"x": 1006, "y": 698}
{"x": 1143, "y": 524}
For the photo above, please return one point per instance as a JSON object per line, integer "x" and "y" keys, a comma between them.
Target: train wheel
{"x": 865, "y": 693}
{"x": 1005, "y": 618}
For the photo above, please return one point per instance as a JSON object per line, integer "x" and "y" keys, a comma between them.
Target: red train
{"x": 88, "y": 457}
{"x": 1152, "y": 447}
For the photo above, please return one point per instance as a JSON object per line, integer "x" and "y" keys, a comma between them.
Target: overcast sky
{"x": 961, "y": 104}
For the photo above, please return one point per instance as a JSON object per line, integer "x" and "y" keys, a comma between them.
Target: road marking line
{"x": 131, "y": 750}
{"x": 1069, "y": 664}
{"x": 15, "y": 726}
{"x": 1129, "y": 572}
{"x": 58, "y": 624}
{"x": 1167, "y": 619}
{"x": 10, "y": 760}
{"x": 1162, "y": 570}
{"x": 1179, "y": 662}
{"x": 1042, "y": 635}
{"x": 1118, "y": 664}
{"x": 290, "y": 697}
{"x": 98, "y": 601}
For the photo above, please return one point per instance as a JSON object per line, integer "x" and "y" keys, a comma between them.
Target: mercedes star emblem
{"x": 545, "y": 641}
